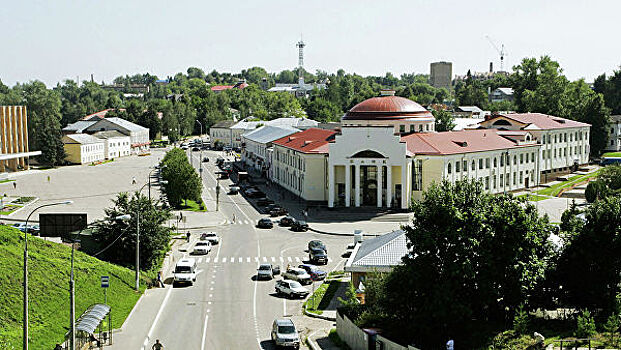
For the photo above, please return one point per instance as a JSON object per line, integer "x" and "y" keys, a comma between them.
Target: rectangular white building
{"x": 115, "y": 143}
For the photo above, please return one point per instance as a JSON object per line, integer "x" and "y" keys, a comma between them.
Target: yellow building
{"x": 14, "y": 151}
{"x": 83, "y": 148}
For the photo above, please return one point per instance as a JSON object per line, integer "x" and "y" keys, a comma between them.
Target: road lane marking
{"x": 256, "y": 259}
{"x": 264, "y": 259}
{"x": 232, "y": 259}
{"x": 297, "y": 259}
{"x": 289, "y": 259}
{"x": 204, "y": 332}
{"x": 223, "y": 260}
{"x": 281, "y": 259}
{"x": 157, "y": 317}
{"x": 248, "y": 259}
{"x": 207, "y": 260}
{"x": 215, "y": 259}
{"x": 273, "y": 259}
{"x": 200, "y": 260}
{"x": 240, "y": 259}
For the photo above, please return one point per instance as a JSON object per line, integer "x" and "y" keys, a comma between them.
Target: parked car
{"x": 219, "y": 161}
{"x": 264, "y": 201}
{"x": 211, "y": 237}
{"x": 278, "y": 211}
{"x": 185, "y": 271}
{"x": 315, "y": 273}
{"x": 317, "y": 244}
{"x": 291, "y": 288}
{"x": 267, "y": 271}
{"x": 223, "y": 175}
{"x": 299, "y": 226}
{"x": 287, "y": 221}
{"x": 318, "y": 256}
{"x": 265, "y": 223}
{"x": 195, "y": 149}
{"x": 233, "y": 189}
{"x": 297, "y": 274}
{"x": 206, "y": 159}
{"x": 202, "y": 247}
{"x": 284, "y": 334}
{"x": 34, "y": 229}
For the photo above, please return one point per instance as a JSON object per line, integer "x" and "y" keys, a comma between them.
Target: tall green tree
{"x": 182, "y": 180}
{"x": 473, "y": 259}
{"x": 610, "y": 87}
{"x": 471, "y": 93}
{"x": 444, "y": 120}
{"x": 118, "y": 238}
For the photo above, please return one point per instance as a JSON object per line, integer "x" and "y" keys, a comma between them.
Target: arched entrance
{"x": 368, "y": 182}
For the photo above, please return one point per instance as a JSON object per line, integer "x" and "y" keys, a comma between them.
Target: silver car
{"x": 284, "y": 333}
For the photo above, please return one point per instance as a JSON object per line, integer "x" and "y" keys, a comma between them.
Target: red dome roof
{"x": 387, "y": 108}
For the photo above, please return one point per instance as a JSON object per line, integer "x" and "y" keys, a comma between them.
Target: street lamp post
{"x": 200, "y": 160}
{"x": 25, "y": 326}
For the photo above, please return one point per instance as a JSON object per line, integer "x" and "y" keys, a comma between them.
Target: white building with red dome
{"x": 387, "y": 154}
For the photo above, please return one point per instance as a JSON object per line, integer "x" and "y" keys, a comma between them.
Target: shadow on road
{"x": 267, "y": 345}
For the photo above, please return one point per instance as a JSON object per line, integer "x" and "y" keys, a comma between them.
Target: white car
{"x": 297, "y": 274}
{"x": 211, "y": 237}
{"x": 291, "y": 288}
{"x": 202, "y": 247}
{"x": 185, "y": 271}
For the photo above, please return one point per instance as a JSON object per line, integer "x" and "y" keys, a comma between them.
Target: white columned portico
{"x": 357, "y": 184}
{"x": 331, "y": 186}
{"x": 380, "y": 171}
{"x": 404, "y": 190}
{"x": 347, "y": 185}
{"x": 388, "y": 185}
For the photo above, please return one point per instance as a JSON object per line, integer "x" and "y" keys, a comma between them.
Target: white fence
{"x": 357, "y": 339}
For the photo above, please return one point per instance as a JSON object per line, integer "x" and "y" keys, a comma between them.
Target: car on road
{"x": 253, "y": 193}
{"x": 318, "y": 256}
{"x": 291, "y": 289}
{"x": 233, "y": 189}
{"x": 195, "y": 149}
{"x": 315, "y": 273}
{"x": 297, "y": 274}
{"x": 317, "y": 244}
{"x": 265, "y": 223}
{"x": 206, "y": 159}
{"x": 284, "y": 334}
{"x": 286, "y": 221}
{"x": 219, "y": 161}
{"x": 185, "y": 271}
{"x": 222, "y": 175}
{"x": 299, "y": 226}
{"x": 264, "y": 201}
{"x": 278, "y": 211}
{"x": 34, "y": 229}
{"x": 267, "y": 271}
{"x": 210, "y": 237}
{"x": 202, "y": 247}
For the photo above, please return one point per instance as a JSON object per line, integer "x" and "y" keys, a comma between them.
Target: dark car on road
{"x": 317, "y": 244}
{"x": 205, "y": 159}
{"x": 265, "y": 223}
{"x": 195, "y": 149}
{"x": 315, "y": 273}
{"x": 318, "y": 256}
{"x": 286, "y": 221}
{"x": 299, "y": 226}
{"x": 278, "y": 211}
{"x": 264, "y": 202}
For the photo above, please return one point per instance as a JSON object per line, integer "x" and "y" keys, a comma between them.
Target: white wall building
{"x": 614, "y": 135}
{"x": 257, "y": 143}
{"x": 83, "y": 148}
{"x": 115, "y": 144}
{"x": 139, "y": 135}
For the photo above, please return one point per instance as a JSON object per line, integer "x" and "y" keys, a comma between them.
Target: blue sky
{"x": 61, "y": 39}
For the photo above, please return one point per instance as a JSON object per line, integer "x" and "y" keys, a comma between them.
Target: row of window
{"x": 578, "y": 135}
{"x": 402, "y": 128}
{"x": 291, "y": 160}
{"x": 562, "y": 152}
{"x": 93, "y": 147}
{"x": 484, "y": 163}
{"x": 290, "y": 179}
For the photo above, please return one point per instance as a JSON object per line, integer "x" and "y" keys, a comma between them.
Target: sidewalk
{"x": 193, "y": 220}
{"x": 318, "y": 336}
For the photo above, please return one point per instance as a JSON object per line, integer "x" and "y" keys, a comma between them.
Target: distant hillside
{"x": 49, "y": 265}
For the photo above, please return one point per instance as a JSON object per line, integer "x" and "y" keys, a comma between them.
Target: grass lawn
{"x": 554, "y": 190}
{"x": 49, "y": 265}
{"x": 8, "y": 209}
{"x": 320, "y": 300}
{"x": 611, "y": 154}
{"x": 3, "y": 181}
{"x": 23, "y": 200}
{"x": 533, "y": 197}
{"x": 193, "y": 206}
{"x": 336, "y": 340}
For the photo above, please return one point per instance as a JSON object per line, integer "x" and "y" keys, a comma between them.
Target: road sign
{"x": 105, "y": 281}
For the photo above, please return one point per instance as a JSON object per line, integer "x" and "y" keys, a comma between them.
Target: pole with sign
{"x": 105, "y": 283}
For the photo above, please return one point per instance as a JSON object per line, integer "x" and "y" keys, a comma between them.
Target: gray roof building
{"x": 78, "y": 127}
{"x": 379, "y": 254}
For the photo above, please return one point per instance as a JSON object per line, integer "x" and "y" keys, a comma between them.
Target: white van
{"x": 185, "y": 271}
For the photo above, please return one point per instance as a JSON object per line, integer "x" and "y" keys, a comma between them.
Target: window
{"x": 514, "y": 159}
{"x": 448, "y": 170}
{"x": 417, "y": 176}
{"x": 555, "y": 139}
{"x": 571, "y": 137}
{"x": 532, "y": 157}
{"x": 473, "y": 165}
{"x": 507, "y": 180}
{"x": 494, "y": 182}
{"x": 487, "y": 163}
{"x": 465, "y": 166}
{"x": 502, "y": 183}
{"x": 521, "y": 177}
{"x": 514, "y": 178}
{"x": 401, "y": 128}
{"x": 427, "y": 127}
{"x": 420, "y": 128}
{"x": 487, "y": 182}
{"x": 565, "y": 137}
{"x": 481, "y": 163}
{"x": 502, "y": 160}
{"x": 457, "y": 166}
{"x": 411, "y": 128}
{"x": 521, "y": 158}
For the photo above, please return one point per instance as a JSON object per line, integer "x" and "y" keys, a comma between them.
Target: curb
{"x": 311, "y": 342}
{"x": 340, "y": 234}
{"x": 310, "y": 314}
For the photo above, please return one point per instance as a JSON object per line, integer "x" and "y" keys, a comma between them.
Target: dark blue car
{"x": 315, "y": 273}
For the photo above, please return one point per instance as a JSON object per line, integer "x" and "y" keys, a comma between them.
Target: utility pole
{"x": 138, "y": 248}
{"x": 218, "y": 194}
{"x": 72, "y": 300}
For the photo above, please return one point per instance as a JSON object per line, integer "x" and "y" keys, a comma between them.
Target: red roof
{"x": 386, "y": 107}
{"x": 100, "y": 114}
{"x": 543, "y": 121}
{"x": 221, "y": 87}
{"x": 454, "y": 142}
{"x": 311, "y": 140}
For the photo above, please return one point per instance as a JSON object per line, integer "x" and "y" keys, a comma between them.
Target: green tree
{"x": 520, "y": 321}
{"x": 444, "y": 120}
{"x": 585, "y": 325}
{"x": 595, "y": 190}
{"x": 183, "y": 181}
{"x": 447, "y": 288}
{"x": 118, "y": 238}
{"x": 611, "y": 89}
{"x": 471, "y": 93}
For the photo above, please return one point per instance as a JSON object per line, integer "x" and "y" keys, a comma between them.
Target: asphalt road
{"x": 227, "y": 308}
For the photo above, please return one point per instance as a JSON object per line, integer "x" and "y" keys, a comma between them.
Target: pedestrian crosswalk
{"x": 253, "y": 260}
{"x": 239, "y": 222}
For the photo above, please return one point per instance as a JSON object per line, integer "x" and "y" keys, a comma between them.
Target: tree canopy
{"x": 182, "y": 180}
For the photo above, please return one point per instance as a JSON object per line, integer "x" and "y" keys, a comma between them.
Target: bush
{"x": 520, "y": 321}
{"x": 595, "y": 190}
{"x": 585, "y": 325}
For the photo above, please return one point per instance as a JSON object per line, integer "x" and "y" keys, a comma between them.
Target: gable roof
{"x": 108, "y": 134}
{"x": 79, "y": 126}
{"x": 506, "y": 90}
{"x": 469, "y": 109}
{"x": 542, "y": 121}
{"x": 99, "y": 115}
{"x": 268, "y": 133}
{"x": 125, "y": 124}
{"x": 248, "y": 124}
{"x": 455, "y": 142}
{"x": 83, "y": 139}
{"x": 379, "y": 254}
{"x": 311, "y": 140}
{"x": 224, "y": 124}
{"x": 300, "y": 123}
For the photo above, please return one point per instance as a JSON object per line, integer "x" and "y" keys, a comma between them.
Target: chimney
{"x": 491, "y": 67}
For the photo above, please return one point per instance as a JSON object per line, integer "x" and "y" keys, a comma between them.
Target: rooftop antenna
{"x": 501, "y": 52}
{"x": 300, "y": 45}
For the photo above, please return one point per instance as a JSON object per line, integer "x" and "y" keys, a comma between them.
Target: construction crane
{"x": 501, "y": 51}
